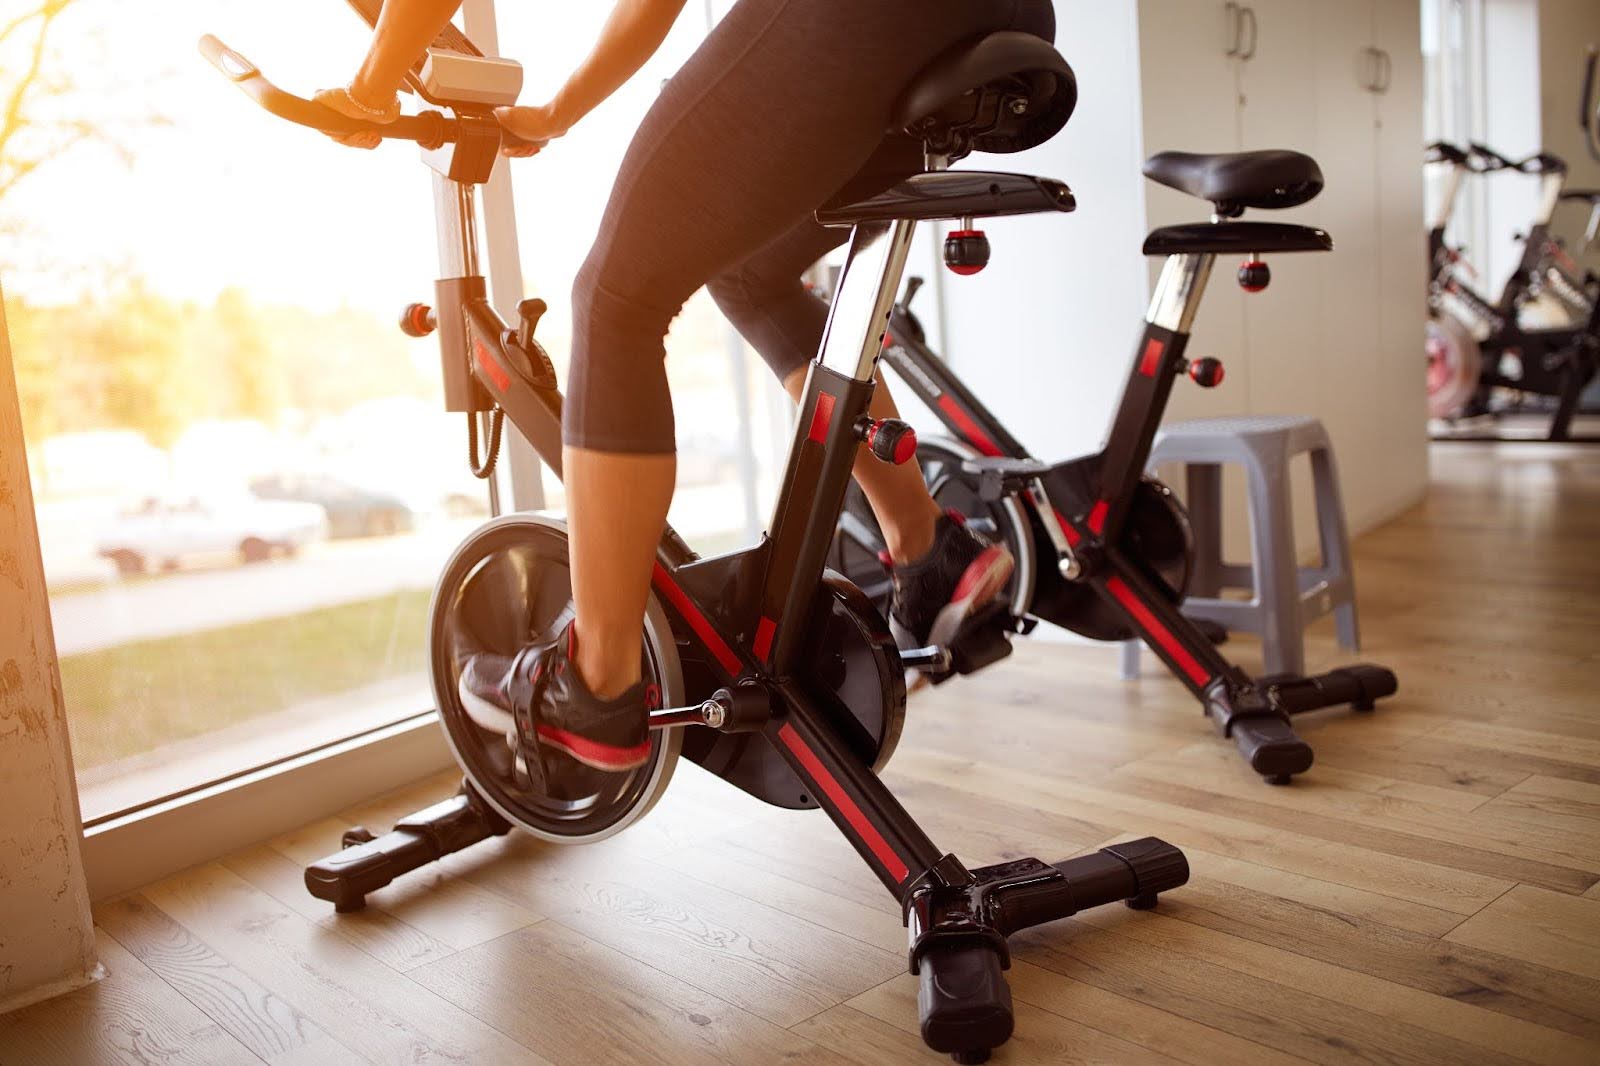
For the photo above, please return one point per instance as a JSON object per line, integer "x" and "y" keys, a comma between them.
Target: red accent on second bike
{"x": 1160, "y": 633}
{"x": 763, "y": 642}
{"x": 496, "y": 372}
{"x": 1150, "y": 361}
{"x": 1067, "y": 530}
{"x": 698, "y": 622}
{"x": 1097, "y": 516}
{"x": 967, "y": 427}
{"x": 821, "y": 417}
{"x": 868, "y": 833}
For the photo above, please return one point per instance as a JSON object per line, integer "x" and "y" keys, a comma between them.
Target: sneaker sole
{"x": 590, "y": 753}
{"x": 982, "y": 581}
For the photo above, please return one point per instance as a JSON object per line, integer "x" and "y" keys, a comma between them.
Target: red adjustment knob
{"x": 1254, "y": 275}
{"x": 889, "y": 439}
{"x": 417, "y": 320}
{"x": 966, "y": 251}
{"x": 1206, "y": 372}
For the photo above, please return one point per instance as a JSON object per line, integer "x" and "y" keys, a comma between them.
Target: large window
{"x": 245, "y": 480}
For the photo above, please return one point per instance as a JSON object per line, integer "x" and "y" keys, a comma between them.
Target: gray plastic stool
{"x": 1285, "y": 596}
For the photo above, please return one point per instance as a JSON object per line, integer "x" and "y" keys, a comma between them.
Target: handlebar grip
{"x": 429, "y": 128}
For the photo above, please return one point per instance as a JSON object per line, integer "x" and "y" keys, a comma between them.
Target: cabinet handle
{"x": 1387, "y": 78}
{"x": 1232, "y": 14}
{"x": 1374, "y": 68}
{"x": 1250, "y": 53}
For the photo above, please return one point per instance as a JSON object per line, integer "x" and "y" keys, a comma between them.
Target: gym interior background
{"x": 227, "y": 483}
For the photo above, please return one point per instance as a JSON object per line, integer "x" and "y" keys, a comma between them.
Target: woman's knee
{"x": 617, "y": 398}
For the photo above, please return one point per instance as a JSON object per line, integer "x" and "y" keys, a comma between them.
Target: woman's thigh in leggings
{"x": 783, "y": 103}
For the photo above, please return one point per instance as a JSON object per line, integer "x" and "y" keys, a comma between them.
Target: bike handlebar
{"x": 427, "y": 128}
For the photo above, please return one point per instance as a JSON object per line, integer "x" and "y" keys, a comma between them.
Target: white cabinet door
{"x": 1278, "y": 109}
{"x": 1190, "y": 100}
{"x": 1402, "y": 257}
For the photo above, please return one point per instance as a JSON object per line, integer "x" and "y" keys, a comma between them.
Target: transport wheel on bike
{"x": 506, "y": 586}
{"x": 1455, "y": 364}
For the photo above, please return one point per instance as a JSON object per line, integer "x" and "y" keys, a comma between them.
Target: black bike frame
{"x": 758, "y": 634}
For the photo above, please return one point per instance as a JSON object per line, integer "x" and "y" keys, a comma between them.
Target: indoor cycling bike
{"x": 773, "y": 673}
{"x": 1540, "y": 338}
{"x": 1102, "y": 549}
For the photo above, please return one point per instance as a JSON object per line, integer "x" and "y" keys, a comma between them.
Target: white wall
{"x": 1566, "y": 29}
{"x": 46, "y": 936}
{"x": 1511, "y": 127}
{"x": 1045, "y": 335}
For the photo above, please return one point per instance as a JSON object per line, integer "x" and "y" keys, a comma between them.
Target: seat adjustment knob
{"x": 889, "y": 439}
{"x": 417, "y": 320}
{"x": 966, "y": 251}
{"x": 1254, "y": 275}
{"x": 1206, "y": 372}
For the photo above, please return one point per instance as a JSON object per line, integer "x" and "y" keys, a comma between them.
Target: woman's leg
{"x": 768, "y": 303}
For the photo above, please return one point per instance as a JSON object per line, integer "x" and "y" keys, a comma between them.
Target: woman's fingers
{"x": 339, "y": 101}
{"x": 536, "y": 125}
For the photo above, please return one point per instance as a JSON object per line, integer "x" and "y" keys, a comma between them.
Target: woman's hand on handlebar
{"x": 341, "y": 101}
{"x": 534, "y": 124}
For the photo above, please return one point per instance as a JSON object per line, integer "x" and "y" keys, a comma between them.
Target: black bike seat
{"x": 1269, "y": 179}
{"x": 1444, "y": 152}
{"x": 991, "y": 74}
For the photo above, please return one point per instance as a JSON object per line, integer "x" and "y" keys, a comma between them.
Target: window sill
{"x": 125, "y": 851}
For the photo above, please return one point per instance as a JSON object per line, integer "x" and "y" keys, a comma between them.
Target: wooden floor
{"x": 1428, "y": 893}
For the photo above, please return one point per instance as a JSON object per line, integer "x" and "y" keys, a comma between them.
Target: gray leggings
{"x": 782, "y": 108}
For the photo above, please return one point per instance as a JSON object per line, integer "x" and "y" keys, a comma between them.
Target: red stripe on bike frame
{"x": 1072, "y": 535}
{"x": 1097, "y": 516}
{"x": 1150, "y": 362}
{"x": 967, "y": 427}
{"x": 1158, "y": 632}
{"x": 893, "y": 864}
{"x": 822, "y": 416}
{"x": 496, "y": 372}
{"x": 764, "y": 630}
{"x": 703, "y": 629}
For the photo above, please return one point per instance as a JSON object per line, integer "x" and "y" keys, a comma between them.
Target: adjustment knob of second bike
{"x": 889, "y": 439}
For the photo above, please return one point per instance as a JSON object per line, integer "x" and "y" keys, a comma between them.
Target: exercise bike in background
{"x": 1540, "y": 338}
{"x": 774, "y": 674}
{"x": 1102, "y": 549}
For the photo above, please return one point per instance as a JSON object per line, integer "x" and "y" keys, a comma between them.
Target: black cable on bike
{"x": 1589, "y": 105}
{"x": 485, "y": 469}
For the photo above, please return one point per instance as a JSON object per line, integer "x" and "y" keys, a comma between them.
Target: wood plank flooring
{"x": 1428, "y": 893}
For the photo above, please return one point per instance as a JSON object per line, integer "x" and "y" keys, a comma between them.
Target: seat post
{"x": 1177, "y": 296}
{"x": 853, "y": 339}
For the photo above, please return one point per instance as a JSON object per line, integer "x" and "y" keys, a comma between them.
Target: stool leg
{"x": 1128, "y": 660}
{"x": 1204, "y": 490}
{"x": 1335, "y": 537}
{"x": 1276, "y": 568}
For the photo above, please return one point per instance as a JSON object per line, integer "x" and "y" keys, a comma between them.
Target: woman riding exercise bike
{"x": 783, "y": 107}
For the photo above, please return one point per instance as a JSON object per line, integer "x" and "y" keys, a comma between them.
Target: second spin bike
{"x": 1103, "y": 549}
{"x": 1540, "y": 337}
{"x": 773, "y": 673}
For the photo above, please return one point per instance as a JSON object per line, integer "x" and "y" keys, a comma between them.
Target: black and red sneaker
{"x": 571, "y": 741}
{"x": 938, "y": 594}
